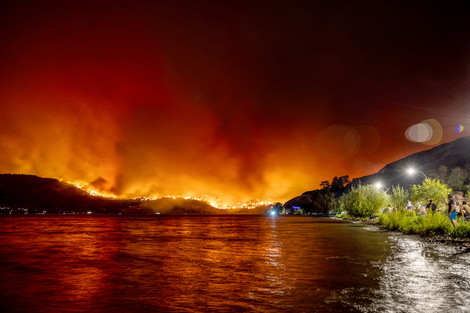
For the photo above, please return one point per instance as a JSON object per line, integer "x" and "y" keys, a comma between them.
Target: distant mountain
{"x": 19, "y": 193}
{"x": 451, "y": 155}
{"x": 179, "y": 206}
{"x": 28, "y": 193}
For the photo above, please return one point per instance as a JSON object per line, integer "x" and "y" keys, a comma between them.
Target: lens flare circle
{"x": 459, "y": 128}
{"x": 428, "y": 132}
{"x": 421, "y": 132}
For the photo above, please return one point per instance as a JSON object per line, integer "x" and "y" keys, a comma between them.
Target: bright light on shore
{"x": 273, "y": 213}
{"x": 411, "y": 171}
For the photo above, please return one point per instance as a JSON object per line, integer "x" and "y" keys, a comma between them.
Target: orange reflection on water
{"x": 212, "y": 265}
{"x": 183, "y": 263}
{"x": 85, "y": 264}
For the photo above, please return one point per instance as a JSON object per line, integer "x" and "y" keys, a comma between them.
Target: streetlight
{"x": 411, "y": 171}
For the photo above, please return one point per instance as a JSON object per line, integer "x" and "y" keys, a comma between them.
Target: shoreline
{"x": 438, "y": 239}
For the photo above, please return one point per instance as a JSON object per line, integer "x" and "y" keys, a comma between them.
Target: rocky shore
{"x": 448, "y": 240}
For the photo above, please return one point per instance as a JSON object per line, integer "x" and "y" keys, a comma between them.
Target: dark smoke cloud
{"x": 225, "y": 100}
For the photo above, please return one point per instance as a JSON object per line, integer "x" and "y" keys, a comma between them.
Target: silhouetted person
{"x": 431, "y": 205}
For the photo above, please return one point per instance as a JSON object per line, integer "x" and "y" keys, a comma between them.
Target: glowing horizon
{"x": 214, "y": 202}
{"x": 207, "y": 100}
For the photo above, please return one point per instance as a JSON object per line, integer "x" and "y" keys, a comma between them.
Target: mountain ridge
{"x": 24, "y": 193}
{"x": 452, "y": 154}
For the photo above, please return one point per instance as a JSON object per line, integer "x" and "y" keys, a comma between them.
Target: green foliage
{"x": 399, "y": 197}
{"x": 410, "y": 223}
{"x": 423, "y": 225}
{"x": 462, "y": 231}
{"x": 440, "y": 173}
{"x": 315, "y": 201}
{"x": 457, "y": 179}
{"x": 343, "y": 215}
{"x": 364, "y": 201}
{"x": 336, "y": 204}
{"x": 323, "y": 201}
{"x": 430, "y": 189}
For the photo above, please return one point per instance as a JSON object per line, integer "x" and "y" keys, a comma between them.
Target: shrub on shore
{"x": 364, "y": 201}
{"x": 463, "y": 231}
{"x": 399, "y": 197}
{"x": 429, "y": 225}
{"x": 430, "y": 189}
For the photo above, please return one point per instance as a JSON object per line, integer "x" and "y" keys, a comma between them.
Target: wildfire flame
{"x": 215, "y": 202}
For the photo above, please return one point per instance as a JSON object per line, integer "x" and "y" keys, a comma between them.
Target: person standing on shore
{"x": 464, "y": 210}
{"x": 431, "y": 206}
{"x": 451, "y": 211}
{"x": 457, "y": 207}
{"x": 409, "y": 206}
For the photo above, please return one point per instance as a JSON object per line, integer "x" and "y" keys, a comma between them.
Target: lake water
{"x": 223, "y": 263}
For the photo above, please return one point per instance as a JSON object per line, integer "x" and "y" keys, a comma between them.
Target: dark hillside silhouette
{"x": 38, "y": 194}
{"x": 33, "y": 194}
{"x": 452, "y": 155}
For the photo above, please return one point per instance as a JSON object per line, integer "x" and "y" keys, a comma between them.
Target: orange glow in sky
{"x": 233, "y": 102}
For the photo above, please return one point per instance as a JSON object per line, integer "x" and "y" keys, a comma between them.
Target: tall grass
{"x": 424, "y": 225}
{"x": 463, "y": 231}
{"x": 399, "y": 197}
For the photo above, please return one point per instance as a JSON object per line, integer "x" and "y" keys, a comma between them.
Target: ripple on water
{"x": 224, "y": 264}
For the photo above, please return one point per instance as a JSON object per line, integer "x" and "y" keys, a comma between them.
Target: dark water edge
{"x": 235, "y": 263}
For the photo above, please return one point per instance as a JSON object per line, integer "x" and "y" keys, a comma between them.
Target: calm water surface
{"x": 238, "y": 263}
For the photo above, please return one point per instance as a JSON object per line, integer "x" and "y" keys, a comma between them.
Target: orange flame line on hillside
{"x": 216, "y": 203}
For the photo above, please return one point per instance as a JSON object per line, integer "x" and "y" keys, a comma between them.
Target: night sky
{"x": 235, "y": 100}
